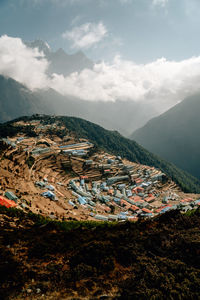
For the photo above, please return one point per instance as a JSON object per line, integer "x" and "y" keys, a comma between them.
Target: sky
{"x": 138, "y": 30}
{"x": 144, "y": 50}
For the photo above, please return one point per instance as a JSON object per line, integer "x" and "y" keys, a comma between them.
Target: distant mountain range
{"x": 175, "y": 135}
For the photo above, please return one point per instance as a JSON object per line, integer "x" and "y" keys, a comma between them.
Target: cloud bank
{"x": 160, "y": 82}
{"x": 21, "y": 63}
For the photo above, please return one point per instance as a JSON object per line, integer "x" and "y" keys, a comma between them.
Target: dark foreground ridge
{"x": 154, "y": 259}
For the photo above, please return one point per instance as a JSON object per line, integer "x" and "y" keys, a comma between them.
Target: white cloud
{"x": 161, "y": 82}
{"x": 86, "y": 35}
{"x": 23, "y": 64}
{"x": 160, "y": 2}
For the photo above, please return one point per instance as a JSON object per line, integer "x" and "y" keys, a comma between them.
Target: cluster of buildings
{"x": 8, "y": 142}
{"x": 105, "y": 186}
{"x": 49, "y": 189}
{"x": 136, "y": 191}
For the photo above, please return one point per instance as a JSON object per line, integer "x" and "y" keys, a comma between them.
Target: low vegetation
{"x": 30, "y": 161}
{"x": 153, "y": 259}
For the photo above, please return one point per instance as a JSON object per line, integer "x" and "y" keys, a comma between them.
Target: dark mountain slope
{"x": 175, "y": 135}
{"x": 16, "y": 100}
{"x": 113, "y": 142}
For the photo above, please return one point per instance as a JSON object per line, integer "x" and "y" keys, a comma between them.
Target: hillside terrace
{"x": 128, "y": 197}
{"x": 103, "y": 186}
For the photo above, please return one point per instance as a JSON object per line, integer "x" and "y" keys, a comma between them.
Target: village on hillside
{"x": 70, "y": 179}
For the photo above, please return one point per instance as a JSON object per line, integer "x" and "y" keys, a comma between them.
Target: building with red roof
{"x": 125, "y": 203}
{"x": 7, "y": 203}
{"x": 134, "y": 208}
{"x": 148, "y": 211}
{"x": 150, "y": 199}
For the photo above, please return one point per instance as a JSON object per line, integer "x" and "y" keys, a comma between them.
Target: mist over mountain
{"x": 175, "y": 135}
{"x": 123, "y": 116}
{"x": 118, "y": 95}
{"x": 16, "y": 100}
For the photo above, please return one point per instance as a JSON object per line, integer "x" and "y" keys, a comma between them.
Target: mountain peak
{"x": 41, "y": 45}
